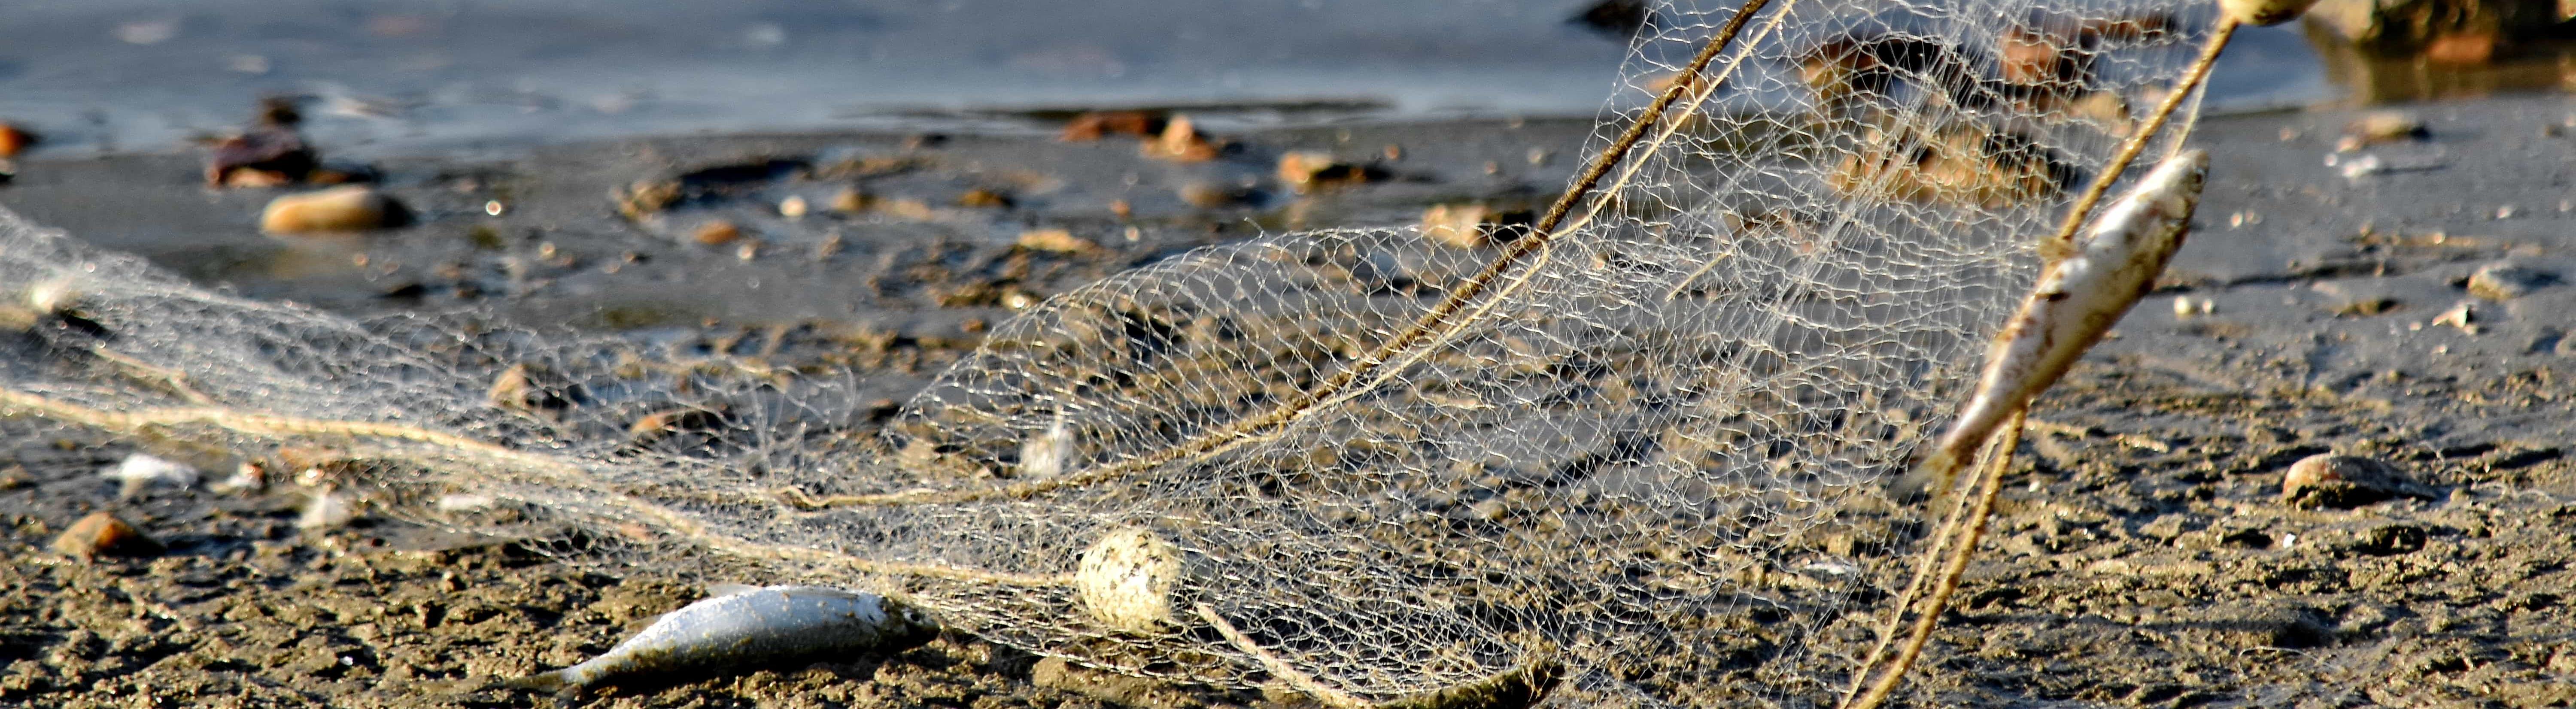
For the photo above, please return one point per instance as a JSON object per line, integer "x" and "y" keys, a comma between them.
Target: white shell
{"x": 2264, "y": 12}
{"x": 1125, "y": 580}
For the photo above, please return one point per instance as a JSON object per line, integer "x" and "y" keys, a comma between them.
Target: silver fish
{"x": 2076, "y": 300}
{"x": 744, "y": 626}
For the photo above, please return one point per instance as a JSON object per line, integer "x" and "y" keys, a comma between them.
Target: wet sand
{"x": 2141, "y": 557}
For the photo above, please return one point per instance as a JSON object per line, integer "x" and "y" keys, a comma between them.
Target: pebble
{"x": 981, "y": 197}
{"x": 526, "y": 388}
{"x": 2378, "y": 127}
{"x": 16, "y": 476}
{"x": 102, "y": 534}
{"x": 1306, "y": 171}
{"x": 14, "y": 139}
{"x": 2461, "y": 316}
{"x": 265, "y": 156}
{"x": 792, "y": 207}
{"x": 1094, "y": 125}
{"x": 1211, "y": 195}
{"x": 716, "y": 232}
{"x": 1056, "y": 241}
{"x": 645, "y": 198}
{"x": 1180, "y": 142}
{"x": 2505, "y": 280}
{"x": 1468, "y": 226}
{"x": 352, "y": 208}
{"x": 2344, "y": 482}
{"x": 852, "y": 201}
{"x": 662, "y": 424}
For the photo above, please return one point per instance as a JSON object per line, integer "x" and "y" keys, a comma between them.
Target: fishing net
{"x": 1641, "y": 455}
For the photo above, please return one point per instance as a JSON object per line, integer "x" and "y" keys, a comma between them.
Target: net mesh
{"x": 1644, "y": 452}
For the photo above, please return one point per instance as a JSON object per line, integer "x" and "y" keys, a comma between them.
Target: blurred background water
{"x": 110, "y": 75}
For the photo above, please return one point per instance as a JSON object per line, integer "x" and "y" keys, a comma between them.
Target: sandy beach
{"x": 2143, "y": 555}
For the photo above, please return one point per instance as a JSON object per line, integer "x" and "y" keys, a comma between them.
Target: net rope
{"x": 1647, "y": 459}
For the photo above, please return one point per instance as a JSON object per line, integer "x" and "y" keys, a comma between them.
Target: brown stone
{"x": 716, "y": 232}
{"x": 1094, "y": 125}
{"x": 102, "y": 534}
{"x": 1180, "y": 142}
{"x": 2344, "y": 482}
{"x": 351, "y": 208}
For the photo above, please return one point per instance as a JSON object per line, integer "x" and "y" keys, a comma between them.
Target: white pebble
{"x": 328, "y": 509}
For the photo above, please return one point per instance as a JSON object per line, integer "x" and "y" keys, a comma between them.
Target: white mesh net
{"x": 1643, "y": 453}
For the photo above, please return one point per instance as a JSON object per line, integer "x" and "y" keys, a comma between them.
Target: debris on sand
{"x": 139, "y": 471}
{"x": 1213, "y": 195}
{"x": 328, "y": 508}
{"x": 645, "y": 198}
{"x": 1181, "y": 142}
{"x": 983, "y": 198}
{"x": 1058, "y": 241}
{"x": 1095, "y": 125}
{"x": 2505, "y": 280}
{"x": 2379, "y": 127}
{"x": 251, "y": 477}
{"x": 529, "y": 389}
{"x": 852, "y": 201}
{"x": 2344, "y": 482}
{"x": 2462, "y": 316}
{"x": 1307, "y": 171}
{"x": 271, "y": 153}
{"x": 1469, "y": 226}
{"x": 16, "y": 476}
{"x": 102, "y": 534}
{"x": 348, "y": 208}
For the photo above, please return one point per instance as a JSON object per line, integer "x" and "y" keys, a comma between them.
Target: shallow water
{"x": 109, "y": 75}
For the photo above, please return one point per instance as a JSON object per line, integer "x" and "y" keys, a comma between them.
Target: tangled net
{"x": 1638, "y": 453}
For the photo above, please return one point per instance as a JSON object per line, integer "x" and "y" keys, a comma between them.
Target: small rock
{"x": 2344, "y": 482}
{"x": 14, "y": 139}
{"x": 1212, "y": 195}
{"x": 2506, "y": 281}
{"x": 645, "y": 198}
{"x": 2461, "y": 316}
{"x": 1056, "y": 241}
{"x": 982, "y": 198}
{"x": 792, "y": 207}
{"x": 1307, "y": 171}
{"x": 353, "y": 208}
{"x": 15, "y": 476}
{"x": 530, "y": 389}
{"x": 852, "y": 201}
{"x": 102, "y": 534}
{"x": 1094, "y": 125}
{"x": 716, "y": 232}
{"x": 1180, "y": 142}
{"x": 2378, "y": 127}
{"x": 1469, "y": 226}
{"x": 654, "y": 427}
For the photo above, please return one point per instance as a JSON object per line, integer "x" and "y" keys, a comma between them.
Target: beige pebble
{"x": 852, "y": 201}
{"x": 1211, "y": 195}
{"x": 2342, "y": 482}
{"x": 981, "y": 197}
{"x": 792, "y": 207}
{"x": 1055, "y": 241}
{"x": 1180, "y": 141}
{"x": 103, "y": 534}
{"x": 2506, "y": 281}
{"x": 1125, "y": 580}
{"x": 1467, "y": 226}
{"x": 716, "y": 232}
{"x": 351, "y": 208}
{"x": 2378, "y": 127}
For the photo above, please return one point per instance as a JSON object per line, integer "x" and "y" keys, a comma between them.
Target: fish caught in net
{"x": 1636, "y": 455}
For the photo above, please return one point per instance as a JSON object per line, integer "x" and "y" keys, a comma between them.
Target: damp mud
{"x": 2142, "y": 555}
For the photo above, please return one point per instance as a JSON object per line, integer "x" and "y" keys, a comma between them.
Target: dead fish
{"x": 744, "y": 625}
{"x": 2077, "y": 299}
